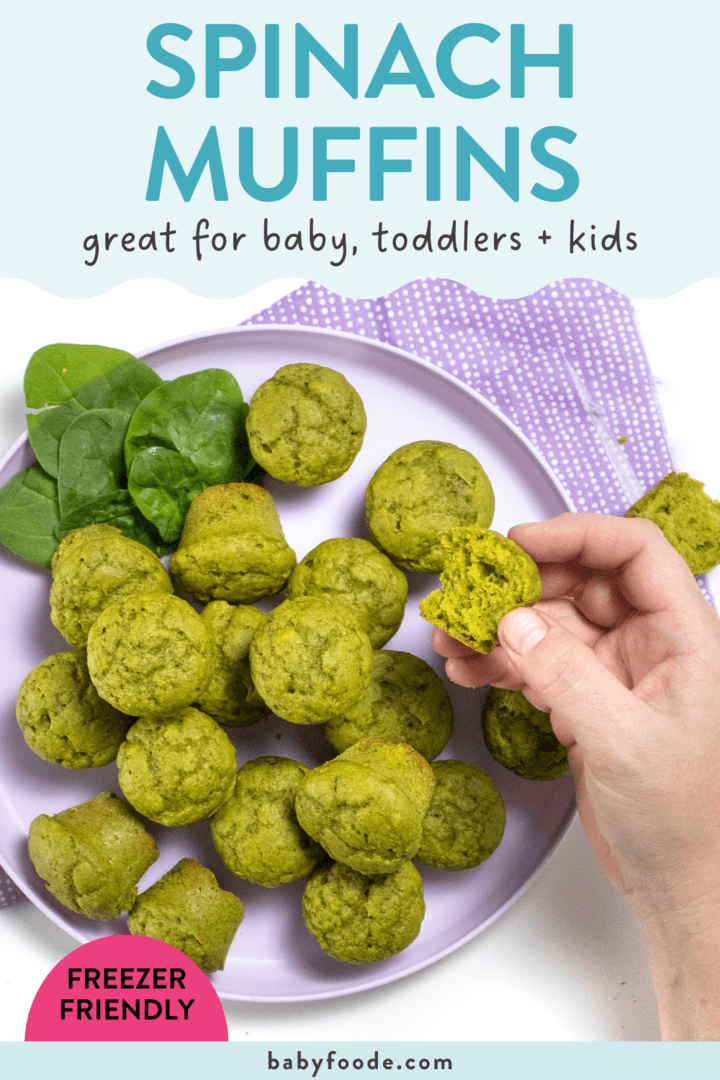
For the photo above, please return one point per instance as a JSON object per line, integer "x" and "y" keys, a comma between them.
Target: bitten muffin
{"x": 256, "y": 832}
{"x": 176, "y": 769}
{"x": 96, "y": 566}
{"x": 485, "y": 576}
{"x": 306, "y": 424}
{"x": 63, "y": 718}
{"x": 355, "y": 574}
{"x": 422, "y": 491}
{"x": 366, "y": 806}
{"x": 309, "y": 661}
{"x": 92, "y": 855}
{"x": 230, "y": 696}
{"x": 359, "y": 919}
{"x": 688, "y": 517}
{"x": 405, "y": 700}
{"x": 188, "y": 910}
{"x": 465, "y": 820}
{"x": 521, "y": 737}
{"x": 149, "y": 655}
{"x": 232, "y": 546}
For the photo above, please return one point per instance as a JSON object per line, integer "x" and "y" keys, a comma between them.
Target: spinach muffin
{"x": 306, "y": 424}
{"x": 465, "y": 820}
{"x": 485, "y": 576}
{"x": 176, "y": 769}
{"x": 92, "y": 855}
{"x": 521, "y": 737}
{"x": 63, "y": 718}
{"x": 405, "y": 700}
{"x": 366, "y": 806}
{"x": 188, "y": 910}
{"x": 688, "y": 517}
{"x": 232, "y": 546}
{"x": 355, "y": 574}
{"x": 309, "y": 661}
{"x": 256, "y": 832}
{"x": 422, "y": 491}
{"x": 230, "y": 696}
{"x": 96, "y": 566}
{"x": 149, "y": 654}
{"x": 359, "y": 919}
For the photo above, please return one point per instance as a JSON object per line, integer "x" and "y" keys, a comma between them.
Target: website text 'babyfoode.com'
{"x": 331, "y": 1060}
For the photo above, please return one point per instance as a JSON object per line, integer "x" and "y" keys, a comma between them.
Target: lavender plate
{"x": 273, "y": 957}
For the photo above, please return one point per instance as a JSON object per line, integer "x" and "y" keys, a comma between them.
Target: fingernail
{"x": 521, "y": 630}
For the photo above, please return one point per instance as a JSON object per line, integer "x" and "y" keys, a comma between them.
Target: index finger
{"x": 649, "y": 571}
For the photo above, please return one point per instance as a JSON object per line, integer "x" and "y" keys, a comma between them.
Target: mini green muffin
{"x": 256, "y": 832}
{"x": 422, "y": 491}
{"x": 310, "y": 661}
{"x": 232, "y": 546}
{"x": 359, "y": 919}
{"x": 485, "y": 576}
{"x": 92, "y": 855}
{"x": 366, "y": 806}
{"x": 230, "y": 696}
{"x": 465, "y": 820}
{"x": 62, "y": 717}
{"x": 149, "y": 654}
{"x": 521, "y": 737}
{"x": 405, "y": 700}
{"x": 176, "y": 769}
{"x": 354, "y": 574}
{"x": 306, "y": 424}
{"x": 94, "y": 567}
{"x": 188, "y": 910}
{"x": 688, "y": 517}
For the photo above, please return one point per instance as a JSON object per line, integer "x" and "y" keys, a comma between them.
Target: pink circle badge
{"x": 126, "y": 988}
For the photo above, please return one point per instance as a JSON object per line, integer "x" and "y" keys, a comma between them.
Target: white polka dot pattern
{"x": 9, "y": 892}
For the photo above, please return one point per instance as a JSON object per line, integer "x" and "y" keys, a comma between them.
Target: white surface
{"x": 567, "y": 961}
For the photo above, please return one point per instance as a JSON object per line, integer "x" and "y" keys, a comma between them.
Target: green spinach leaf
{"x": 92, "y": 463}
{"x": 202, "y": 417}
{"x": 162, "y": 482}
{"x": 116, "y": 508}
{"x": 55, "y": 372}
{"x": 29, "y": 515}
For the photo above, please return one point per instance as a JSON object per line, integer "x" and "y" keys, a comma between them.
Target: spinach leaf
{"x": 121, "y": 387}
{"x": 92, "y": 464}
{"x": 29, "y": 515}
{"x": 116, "y": 508}
{"x": 46, "y": 429}
{"x": 55, "y": 372}
{"x": 162, "y": 482}
{"x": 202, "y": 417}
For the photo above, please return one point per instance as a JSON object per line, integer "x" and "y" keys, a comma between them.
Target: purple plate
{"x": 273, "y": 957}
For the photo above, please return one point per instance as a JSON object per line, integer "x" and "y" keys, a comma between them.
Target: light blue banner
{"x": 463, "y": 1060}
{"x": 223, "y": 145}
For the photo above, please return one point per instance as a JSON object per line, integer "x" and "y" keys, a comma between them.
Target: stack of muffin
{"x": 155, "y": 684}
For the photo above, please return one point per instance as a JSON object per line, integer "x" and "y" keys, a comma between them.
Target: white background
{"x": 567, "y": 961}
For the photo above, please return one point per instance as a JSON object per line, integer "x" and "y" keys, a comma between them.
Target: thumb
{"x": 565, "y": 676}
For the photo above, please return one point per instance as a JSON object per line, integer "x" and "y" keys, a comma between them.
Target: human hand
{"x": 624, "y": 652}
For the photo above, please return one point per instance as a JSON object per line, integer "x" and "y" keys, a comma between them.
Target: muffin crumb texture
{"x": 465, "y": 820}
{"x": 689, "y": 519}
{"x": 521, "y": 737}
{"x": 187, "y": 909}
{"x": 306, "y": 424}
{"x": 360, "y": 919}
{"x": 485, "y": 576}
{"x": 92, "y": 856}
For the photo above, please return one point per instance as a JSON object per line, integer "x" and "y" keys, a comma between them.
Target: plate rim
{"x": 265, "y": 329}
